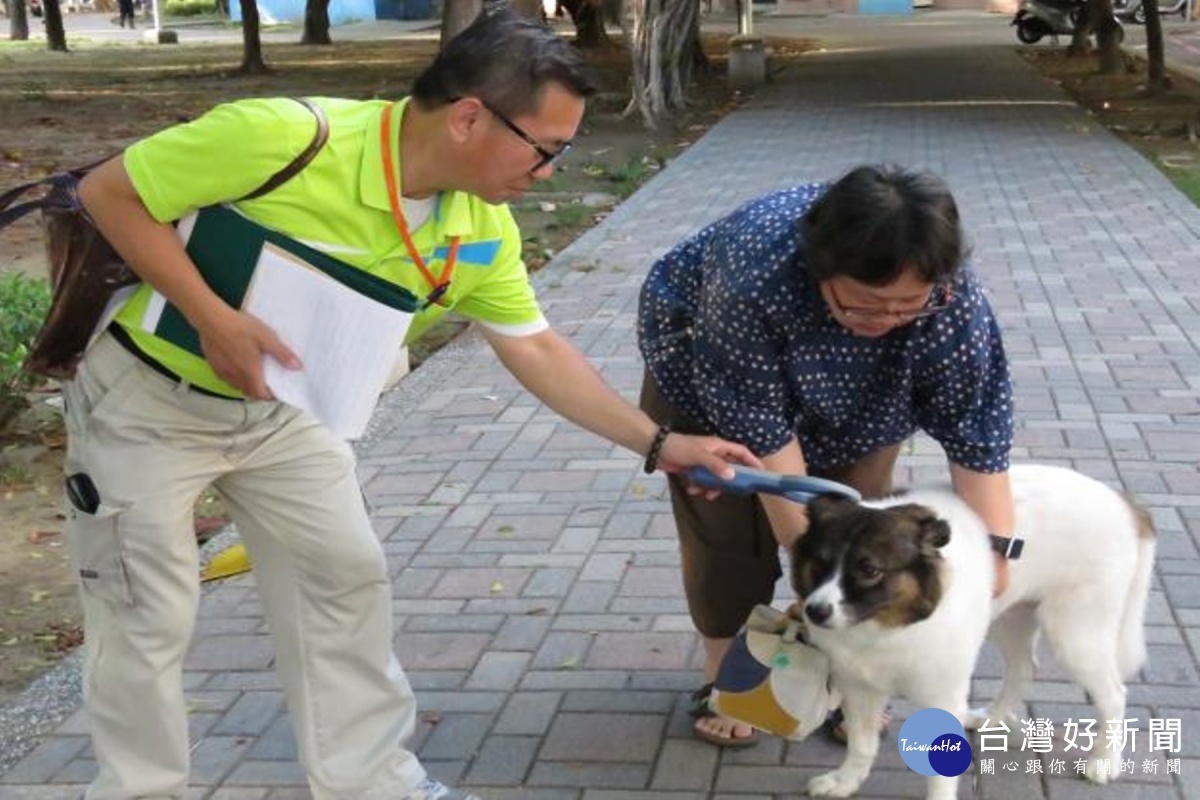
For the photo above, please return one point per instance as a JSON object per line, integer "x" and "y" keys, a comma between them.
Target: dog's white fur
{"x": 1082, "y": 581}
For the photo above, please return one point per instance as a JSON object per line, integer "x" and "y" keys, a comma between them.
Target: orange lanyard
{"x": 438, "y": 285}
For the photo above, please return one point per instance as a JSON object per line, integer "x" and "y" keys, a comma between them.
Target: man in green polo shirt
{"x": 409, "y": 192}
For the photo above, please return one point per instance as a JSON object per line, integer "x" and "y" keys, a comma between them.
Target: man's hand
{"x": 680, "y": 451}
{"x": 235, "y": 345}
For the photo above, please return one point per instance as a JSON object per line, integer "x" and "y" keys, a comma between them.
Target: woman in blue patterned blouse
{"x": 821, "y": 326}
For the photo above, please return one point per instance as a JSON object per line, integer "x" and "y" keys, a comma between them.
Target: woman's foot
{"x": 715, "y": 729}
{"x": 724, "y": 732}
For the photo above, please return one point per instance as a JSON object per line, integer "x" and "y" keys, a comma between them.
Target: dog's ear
{"x": 825, "y": 507}
{"x": 932, "y": 530}
{"x": 935, "y": 533}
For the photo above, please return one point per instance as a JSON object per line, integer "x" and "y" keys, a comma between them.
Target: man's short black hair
{"x": 878, "y": 221}
{"x": 506, "y": 60}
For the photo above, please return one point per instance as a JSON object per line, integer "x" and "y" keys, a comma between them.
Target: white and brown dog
{"x": 898, "y": 594}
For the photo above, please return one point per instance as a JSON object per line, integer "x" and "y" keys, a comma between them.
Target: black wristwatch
{"x": 1008, "y": 546}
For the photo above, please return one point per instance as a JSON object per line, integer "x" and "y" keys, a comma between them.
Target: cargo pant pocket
{"x": 97, "y": 553}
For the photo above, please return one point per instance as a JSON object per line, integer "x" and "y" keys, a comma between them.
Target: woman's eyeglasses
{"x": 938, "y": 300}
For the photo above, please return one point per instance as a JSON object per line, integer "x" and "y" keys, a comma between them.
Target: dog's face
{"x": 856, "y": 564}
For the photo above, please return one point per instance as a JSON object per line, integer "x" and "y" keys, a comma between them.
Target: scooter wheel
{"x": 1030, "y": 32}
{"x": 1139, "y": 15}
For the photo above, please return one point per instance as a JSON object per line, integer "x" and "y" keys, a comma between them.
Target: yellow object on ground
{"x": 233, "y": 560}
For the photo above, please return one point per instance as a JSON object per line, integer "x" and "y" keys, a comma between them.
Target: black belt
{"x": 125, "y": 340}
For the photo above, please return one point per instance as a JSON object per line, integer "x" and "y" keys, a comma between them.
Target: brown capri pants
{"x": 729, "y": 553}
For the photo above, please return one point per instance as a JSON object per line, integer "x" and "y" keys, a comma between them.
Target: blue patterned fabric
{"x": 737, "y": 336}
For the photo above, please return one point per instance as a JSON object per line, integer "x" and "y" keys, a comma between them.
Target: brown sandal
{"x": 700, "y": 710}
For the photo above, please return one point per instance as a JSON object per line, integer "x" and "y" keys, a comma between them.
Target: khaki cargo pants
{"x": 151, "y": 446}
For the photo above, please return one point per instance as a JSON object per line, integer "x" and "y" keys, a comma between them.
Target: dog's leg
{"x": 1014, "y": 634}
{"x": 952, "y": 695}
{"x": 862, "y": 707}
{"x": 1082, "y": 630}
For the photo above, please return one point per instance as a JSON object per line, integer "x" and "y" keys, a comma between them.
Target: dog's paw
{"x": 976, "y": 717}
{"x": 1099, "y": 770}
{"x": 838, "y": 783}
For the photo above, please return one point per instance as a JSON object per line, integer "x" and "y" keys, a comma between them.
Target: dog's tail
{"x": 1131, "y": 647}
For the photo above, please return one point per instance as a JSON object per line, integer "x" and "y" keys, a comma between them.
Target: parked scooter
{"x": 1134, "y": 11}
{"x": 1037, "y": 19}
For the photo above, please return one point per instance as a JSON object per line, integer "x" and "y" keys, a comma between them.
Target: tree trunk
{"x": 662, "y": 43}
{"x": 1097, "y": 18}
{"x": 56, "y": 36}
{"x": 1107, "y": 33}
{"x": 316, "y": 23}
{"x": 252, "y": 57}
{"x": 700, "y": 62}
{"x": 457, "y": 15}
{"x": 1080, "y": 41}
{"x": 1156, "y": 70}
{"x": 588, "y": 16}
{"x": 18, "y": 21}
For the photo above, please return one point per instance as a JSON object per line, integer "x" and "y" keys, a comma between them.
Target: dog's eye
{"x": 867, "y": 572}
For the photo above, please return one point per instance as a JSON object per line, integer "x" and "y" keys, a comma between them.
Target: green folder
{"x": 225, "y": 246}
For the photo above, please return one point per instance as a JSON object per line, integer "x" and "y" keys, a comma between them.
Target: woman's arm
{"x": 989, "y": 494}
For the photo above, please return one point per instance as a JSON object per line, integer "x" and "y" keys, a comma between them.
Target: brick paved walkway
{"x": 538, "y": 606}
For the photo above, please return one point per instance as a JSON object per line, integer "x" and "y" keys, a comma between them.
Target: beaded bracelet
{"x": 655, "y": 449}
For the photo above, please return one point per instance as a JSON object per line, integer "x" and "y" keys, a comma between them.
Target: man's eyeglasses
{"x": 544, "y": 156}
{"x": 938, "y": 300}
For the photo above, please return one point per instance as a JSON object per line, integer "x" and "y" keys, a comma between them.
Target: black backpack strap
{"x": 301, "y": 161}
{"x": 60, "y": 192}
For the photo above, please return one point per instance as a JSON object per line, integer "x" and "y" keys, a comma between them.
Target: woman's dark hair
{"x": 504, "y": 59}
{"x": 878, "y": 221}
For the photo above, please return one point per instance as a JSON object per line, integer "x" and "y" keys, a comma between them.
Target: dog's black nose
{"x": 819, "y": 612}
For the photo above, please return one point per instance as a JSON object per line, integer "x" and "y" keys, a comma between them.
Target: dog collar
{"x": 1008, "y": 546}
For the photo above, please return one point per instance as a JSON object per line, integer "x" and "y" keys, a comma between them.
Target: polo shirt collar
{"x": 372, "y": 187}
{"x": 453, "y": 210}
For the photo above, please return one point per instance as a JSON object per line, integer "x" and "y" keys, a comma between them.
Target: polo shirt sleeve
{"x": 740, "y": 365}
{"x": 964, "y": 391}
{"x": 504, "y": 301}
{"x": 221, "y": 156}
